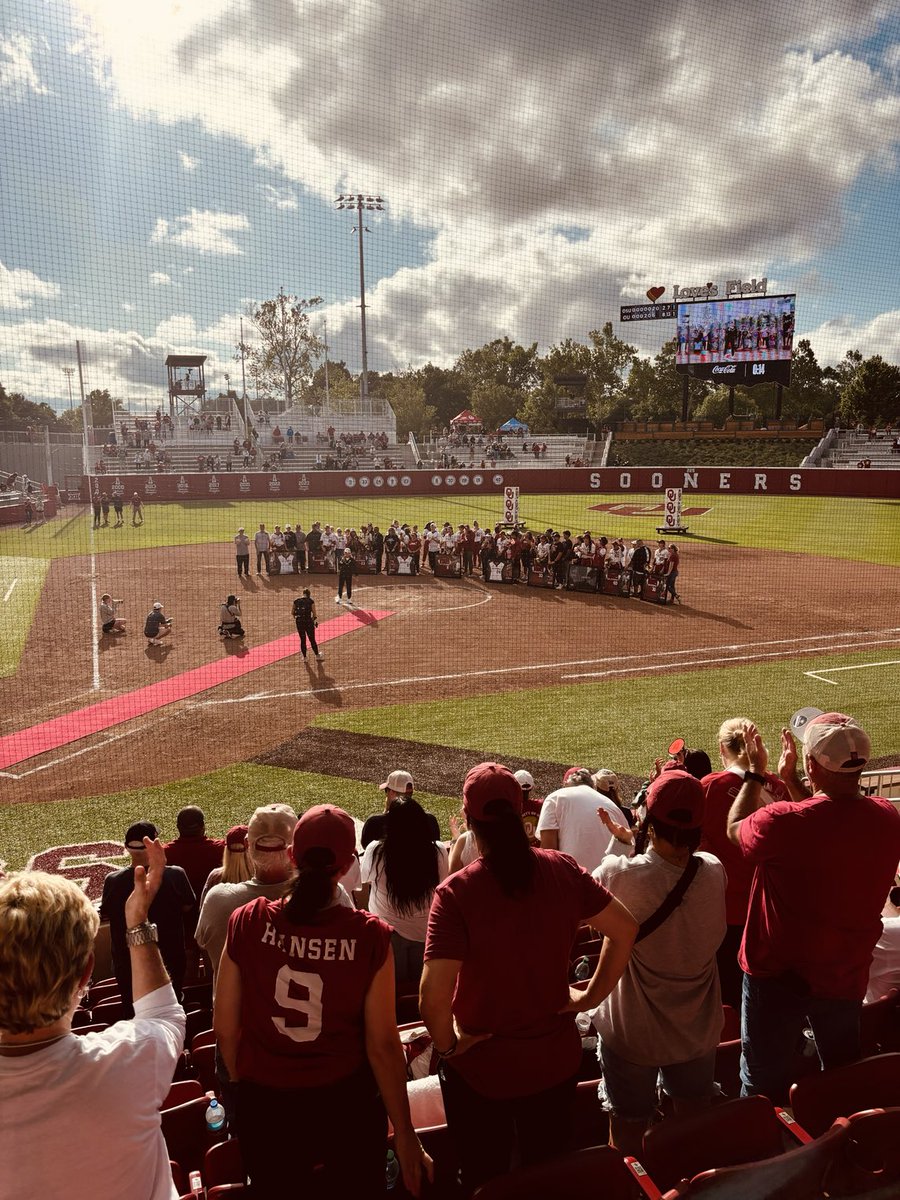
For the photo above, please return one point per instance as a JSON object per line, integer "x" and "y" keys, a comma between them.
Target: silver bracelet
{"x": 142, "y": 935}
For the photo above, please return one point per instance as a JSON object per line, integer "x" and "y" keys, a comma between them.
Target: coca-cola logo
{"x": 729, "y": 369}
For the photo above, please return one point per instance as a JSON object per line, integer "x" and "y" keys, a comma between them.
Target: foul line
{"x": 95, "y": 621}
{"x": 886, "y": 662}
{"x": 411, "y": 679}
{"x": 831, "y": 648}
{"x": 9, "y": 591}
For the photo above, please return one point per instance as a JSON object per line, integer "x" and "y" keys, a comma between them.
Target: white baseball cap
{"x": 397, "y": 781}
{"x": 525, "y": 778}
{"x": 157, "y": 603}
{"x": 605, "y": 779}
{"x": 834, "y": 740}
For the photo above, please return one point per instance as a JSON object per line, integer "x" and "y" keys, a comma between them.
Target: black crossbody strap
{"x": 671, "y": 901}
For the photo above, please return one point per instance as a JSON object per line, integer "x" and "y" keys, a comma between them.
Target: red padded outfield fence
{"x": 258, "y": 485}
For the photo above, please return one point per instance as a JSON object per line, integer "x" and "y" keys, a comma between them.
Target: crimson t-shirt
{"x": 197, "y": 856}
{"x": 823, "y": 868}
{"x": 515, "y": 967}
{"x": 720, "y": 789}
{"x": 303, "y": 990}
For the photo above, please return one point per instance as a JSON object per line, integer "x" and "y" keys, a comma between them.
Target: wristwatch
{"x": 142, "y": 935}
{"x": 755, "y": 776}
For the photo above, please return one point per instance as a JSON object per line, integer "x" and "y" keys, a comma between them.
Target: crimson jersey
{"x": 303, "y": 989}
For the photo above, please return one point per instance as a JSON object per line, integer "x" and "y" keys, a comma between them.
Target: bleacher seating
{"x": 558, "y": 448}
{"x": 851, "y": 447}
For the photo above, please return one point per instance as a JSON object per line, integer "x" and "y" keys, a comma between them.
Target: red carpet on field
{"x": 49, "y": 735}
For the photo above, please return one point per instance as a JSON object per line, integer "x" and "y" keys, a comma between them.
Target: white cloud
{"x": 280, "y": 197}
{"x": 20, "y": 288}
{"x": 159, "y": 278}
{"x": 126, "y": 307}
{"x": 881, "y": 335}
{"x": 204, "y": 231}
{"x": 188, "y": 163}
{"x": 18, "y": 74}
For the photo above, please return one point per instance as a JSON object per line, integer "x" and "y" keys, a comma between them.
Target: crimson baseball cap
{"x": 837, "y": 742}
{"x": 236, "y": 838}
{"x": 487, "y": 782}
{"x": 584, "y": 775}
{"x": 676, "y": 798}
{"x": 325, "y": 827}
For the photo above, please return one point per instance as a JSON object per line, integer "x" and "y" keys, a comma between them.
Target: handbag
{"x": 671, "y": 901}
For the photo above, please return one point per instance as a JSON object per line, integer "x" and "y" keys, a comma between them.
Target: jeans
{"x": 243, "y": 564}
{"x": 772, "y": 1020}
{"x": 488, "y": 1133}
{"x": 262, "y": 556}
{"x": 408, "y": 959}
{"x": 631, "y": 1088}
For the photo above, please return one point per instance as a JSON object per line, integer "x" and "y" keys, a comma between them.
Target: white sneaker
{"x": 320, "y": 658}
{"x": 337, "y": 599}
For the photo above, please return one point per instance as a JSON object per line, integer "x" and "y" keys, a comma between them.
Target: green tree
{"x": 809, "y": 394}
{"x": 446, "y": 391}
{"x": 101, "y": 409}
{"x": 540, "y": 409}
{"x": 406, "y": 397}
{"x": 872, "y": 393}
{"x": 18, "y": 413}
{"x": 282, "y": 361}
{"x": 495, "y": 403}
{"x": 611, "y": 361}
{"x": 502, "y": 362}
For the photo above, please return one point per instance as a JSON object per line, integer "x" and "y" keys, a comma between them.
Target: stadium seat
{"x": 728, "y": 1067}
{"x": 879, "y": 1025}
{"x": 198, "y": 1021}
{"x": 597, "y": 1171}
{"x": 871, "y": 1158}
{"x": 819, "y": 1099}
{"x": 223, "y": 1164}
{"x": 206, "y": 1037}
{"x": 181, "y": 1092}
{"x": 81, "y": 1016}
{"x": 107, "y": 990}
{"x": 225, "y": 1190}
{"x": 184, "y": 1128}
{"x": 408, "y": 1008}
{"x": 740, "y": 1131}
{"x": 797, "y": 1175}
{"x": 197, "y": 995}
{"x": 203, "y": 1065}
{"x": 590, "y": 1124}
{"x": 731, "y": 1028}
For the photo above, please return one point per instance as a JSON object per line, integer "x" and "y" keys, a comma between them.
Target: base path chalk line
{"x": 71, "y": 727}
{"x": 10, "y": 590}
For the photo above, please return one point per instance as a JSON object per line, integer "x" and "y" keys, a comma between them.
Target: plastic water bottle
{"x": 215, "y": 1117}
{"x": 582, "y": 970}
{"x": 391, "y": 1171}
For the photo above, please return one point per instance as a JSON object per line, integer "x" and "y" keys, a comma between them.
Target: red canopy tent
{"x": 467, "y": 418}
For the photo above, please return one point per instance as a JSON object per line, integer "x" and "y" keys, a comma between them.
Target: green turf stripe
{"x": 21, "y": 580}
{"x": 228, "y": 797}
{"x": 624, "y": 723}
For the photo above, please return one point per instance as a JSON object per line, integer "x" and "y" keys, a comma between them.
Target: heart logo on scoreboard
{"x": 654, "y": 293}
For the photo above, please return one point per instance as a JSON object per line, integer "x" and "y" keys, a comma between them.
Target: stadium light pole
{"x": 69, "y": 372}
{"x": 360, "y": 204}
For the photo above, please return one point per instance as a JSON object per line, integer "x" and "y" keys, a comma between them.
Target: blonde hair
{"x": 235, "y": 866}
{"x": 731, "y": 736}
{"x": 47, "y": 931}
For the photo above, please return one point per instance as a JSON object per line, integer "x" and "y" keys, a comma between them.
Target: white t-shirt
{"x": 884, "y": 973}
{"x": 81, "y": 1117}
{"x": 411, "y": 927}
{"x": 470, "y": 850}
{"x": 573, "y": 812}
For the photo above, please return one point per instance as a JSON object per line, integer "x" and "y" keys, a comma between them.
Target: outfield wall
{"x": 255, "y": 485}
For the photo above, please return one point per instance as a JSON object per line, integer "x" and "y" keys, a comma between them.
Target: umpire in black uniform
{"x": 306, "y": 619}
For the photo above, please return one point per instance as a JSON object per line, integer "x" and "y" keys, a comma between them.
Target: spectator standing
{"x": 235, "y": 866}
{"x": 269, "y": 835}
{"x": 884, "y": 973}
{"x": 137, "y": 510}
{"x": 398, "y": 786}
{"x": 720, "y": 789}
{"x": 399, "y": 874}
{"x": 95, "y": 506}
{"x": 490, "y": 924}
{"x": 261, "y": 541}
{"x": 173, "y": 900}
{"x": 242, "y": 553}
{"x": 64, "y": 1100}
{"x": 345, "y": 569}
{"x": 569, "y": 821}
{"x": 823, "y": 866}
{"x": 531, "y": 806}
{"x": 192, "y": 850}
{"x": 320, "y": 1084}
{"x": 665, "y": 1014}
{"x": 640, "y": 560}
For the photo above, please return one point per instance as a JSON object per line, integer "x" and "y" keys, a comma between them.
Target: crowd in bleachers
{"x": 269, "y": 970}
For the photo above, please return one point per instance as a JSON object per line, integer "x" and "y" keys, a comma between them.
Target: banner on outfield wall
{"x": 284, "y": 485}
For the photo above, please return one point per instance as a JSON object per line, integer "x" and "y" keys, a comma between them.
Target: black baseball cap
{"x": 134, "y": 837}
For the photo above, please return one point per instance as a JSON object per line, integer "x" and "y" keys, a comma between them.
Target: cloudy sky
{"x": 166, "y": 163}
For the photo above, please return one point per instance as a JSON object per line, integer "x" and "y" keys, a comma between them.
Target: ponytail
{"x": 505, "y": 848}
{"x": 312, "y": 888}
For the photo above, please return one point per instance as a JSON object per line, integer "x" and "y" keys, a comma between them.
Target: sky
{"x": 167, "y": 164}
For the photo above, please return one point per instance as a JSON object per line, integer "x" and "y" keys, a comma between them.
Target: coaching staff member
{"x": 242, "y": 552}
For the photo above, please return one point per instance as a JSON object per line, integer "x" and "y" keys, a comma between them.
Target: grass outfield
{"x": 21, "y": 580}
{"x": 228, "y": 797}
{"x": 624, "y": 724}
{"x": 860, "y": 530}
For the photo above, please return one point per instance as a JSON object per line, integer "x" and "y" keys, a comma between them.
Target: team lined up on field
{"x": 516, "y": 555}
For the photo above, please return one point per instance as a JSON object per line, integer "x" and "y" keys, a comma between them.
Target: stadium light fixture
{"x": 358, "y": 203}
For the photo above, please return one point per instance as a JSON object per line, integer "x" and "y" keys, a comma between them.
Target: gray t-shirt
{"x": 667, "y": 1007}
{"x": 220, "y": 902}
